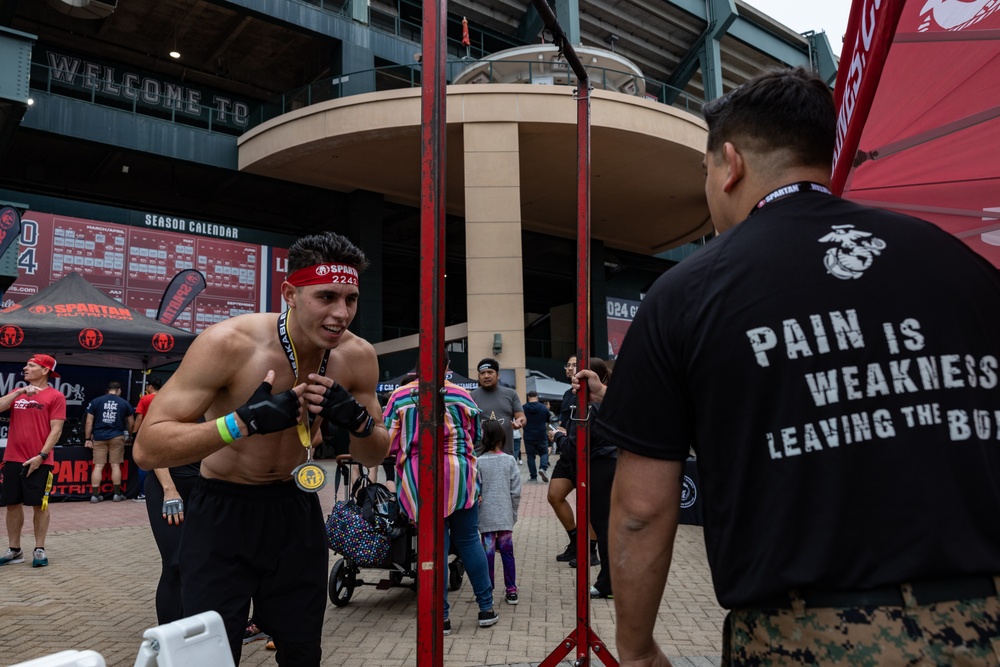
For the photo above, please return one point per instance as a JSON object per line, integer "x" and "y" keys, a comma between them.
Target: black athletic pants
{"x": 168, "y": 541}
{"x": 265, "y": 543}
{"x": 602, "y": 476}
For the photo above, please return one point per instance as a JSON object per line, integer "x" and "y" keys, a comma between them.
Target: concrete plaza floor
{"x": 98, "y": 594}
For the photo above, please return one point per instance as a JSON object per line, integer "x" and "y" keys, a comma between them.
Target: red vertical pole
{"x": 431, "y": 559}
{"x": 583, "y": 362}
{"x": 582, "y": 639}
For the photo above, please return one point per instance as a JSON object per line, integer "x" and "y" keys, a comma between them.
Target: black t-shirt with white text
{"x": 836, "y": 370}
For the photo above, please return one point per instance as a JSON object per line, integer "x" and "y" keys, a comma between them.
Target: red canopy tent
{"x": 918, "y": 95}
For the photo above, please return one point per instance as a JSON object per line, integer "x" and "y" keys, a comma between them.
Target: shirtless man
{"x": 250, "y": 532}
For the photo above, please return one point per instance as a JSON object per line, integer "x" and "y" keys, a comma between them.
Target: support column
{"x": 494, "y": 275}
{"x": 364, "y": 211}
{"x": 568, "y": 13}
{"x": 357, "y": 63}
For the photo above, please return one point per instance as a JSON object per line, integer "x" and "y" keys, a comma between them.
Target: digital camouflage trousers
{"x": 964, "y": 633}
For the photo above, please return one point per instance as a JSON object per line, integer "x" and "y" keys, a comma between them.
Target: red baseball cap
{"x": 46, "y": 361}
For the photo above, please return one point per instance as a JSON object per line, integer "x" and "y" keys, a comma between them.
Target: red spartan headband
{"x": 324, "y": 274}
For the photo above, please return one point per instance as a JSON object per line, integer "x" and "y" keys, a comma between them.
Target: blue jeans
{"x": 539, "y": 448}
{"x": 463, "y": 527}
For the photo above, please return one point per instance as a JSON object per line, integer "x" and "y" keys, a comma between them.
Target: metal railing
{"x": 408, "y": 76}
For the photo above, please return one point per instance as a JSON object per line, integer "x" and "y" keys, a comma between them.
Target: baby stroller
{"x": 400, "y": 558}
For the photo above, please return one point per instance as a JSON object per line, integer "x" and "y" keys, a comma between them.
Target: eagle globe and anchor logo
{"x": 856, "y": 252}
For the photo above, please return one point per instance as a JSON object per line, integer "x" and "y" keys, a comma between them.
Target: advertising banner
{"x": 134, "y": 264}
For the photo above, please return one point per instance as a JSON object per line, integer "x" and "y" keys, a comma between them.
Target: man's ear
{"x": 289, "y": 292}
{"x": 734, "y": 165}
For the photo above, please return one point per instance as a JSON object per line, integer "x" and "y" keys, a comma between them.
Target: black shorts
{"x": 565, "y": 467}
{"x": 30, "y": 490}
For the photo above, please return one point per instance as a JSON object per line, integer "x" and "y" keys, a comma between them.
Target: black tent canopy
{"x": 79, "y": 325}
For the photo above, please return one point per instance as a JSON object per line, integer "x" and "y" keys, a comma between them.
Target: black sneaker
{"x": 511, "y": 598}
{"x": 568, "y": 554}
{"x": 594, "y": 560}
{"x": 543, "y": 475}
{"x": 488, "y": 618}
{"x": 447, "y": 627}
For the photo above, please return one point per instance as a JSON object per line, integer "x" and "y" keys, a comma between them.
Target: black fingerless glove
{"x": 340, "y": 408}
{"x": 265, "y": 413}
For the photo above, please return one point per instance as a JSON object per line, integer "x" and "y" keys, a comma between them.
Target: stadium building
{"x": 142, "y": 137}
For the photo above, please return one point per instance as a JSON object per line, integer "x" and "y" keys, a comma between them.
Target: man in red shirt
{"x": 37, "y": 413}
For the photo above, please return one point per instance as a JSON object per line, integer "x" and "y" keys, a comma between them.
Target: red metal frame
{"x": 582, "y": 639}
{"x": 432, "y": 561}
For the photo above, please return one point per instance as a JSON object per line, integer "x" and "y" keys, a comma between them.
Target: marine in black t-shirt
{"x": 839, "y": 366}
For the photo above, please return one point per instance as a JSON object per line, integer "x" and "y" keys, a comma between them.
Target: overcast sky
{"x": 804, "y": 15}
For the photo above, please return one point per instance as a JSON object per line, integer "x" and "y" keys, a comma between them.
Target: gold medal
{"x": 309, "y": 477}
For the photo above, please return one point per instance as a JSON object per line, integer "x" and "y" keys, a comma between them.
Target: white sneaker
{"x": 11, "y": 557}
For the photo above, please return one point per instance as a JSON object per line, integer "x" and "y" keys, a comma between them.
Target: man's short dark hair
{"x": 156, "y": 382}
{"x": 786, "y": 109}
{"x": 532, "y": 394}
{"x": 325, "y": 248}
{"x": 114, "y": 384}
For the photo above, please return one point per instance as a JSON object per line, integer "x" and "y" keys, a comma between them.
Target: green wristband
{"x": 220, "y": 424}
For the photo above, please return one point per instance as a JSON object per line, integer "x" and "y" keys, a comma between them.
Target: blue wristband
{"x": 232, "y": 426}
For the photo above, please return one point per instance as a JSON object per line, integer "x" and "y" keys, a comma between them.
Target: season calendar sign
{"x": 135, "y": 263}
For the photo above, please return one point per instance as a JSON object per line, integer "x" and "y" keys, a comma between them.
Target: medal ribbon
{"x": 289, "y": 346}
{"x": 788, "y": 190}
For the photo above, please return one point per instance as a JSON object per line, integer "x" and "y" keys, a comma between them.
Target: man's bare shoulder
{"x": 248, "y": 330}
{"x": 357, "y": 347}
{"x": 354, "y": 364}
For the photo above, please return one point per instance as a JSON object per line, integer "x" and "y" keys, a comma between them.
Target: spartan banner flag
{"x": 179, "y": 294}
{"x": 10, "y": 227}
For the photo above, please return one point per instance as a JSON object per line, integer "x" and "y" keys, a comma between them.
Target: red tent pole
{"x": 431, "y": 559}
{"x": 861, "y": 62}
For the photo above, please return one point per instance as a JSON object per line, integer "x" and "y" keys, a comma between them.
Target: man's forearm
{"x": 8, "y": 400}
{"x": 644, "y": 513}
{"x": 371, "y": 451}
{"x": 169, "y": 444}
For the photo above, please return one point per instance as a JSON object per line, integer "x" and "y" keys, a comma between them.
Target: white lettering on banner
{"x": 856, "y": 72}
{"x": 841, "y": 331}
{"x": 956, "y": 14}
{"x": 74, "y": 393}
{"x": 191, "y": 226}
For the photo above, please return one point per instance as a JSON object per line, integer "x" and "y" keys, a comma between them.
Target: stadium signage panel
{"x": 110, "y": 80}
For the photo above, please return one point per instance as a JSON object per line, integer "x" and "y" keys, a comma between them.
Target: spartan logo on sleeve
{"x": 855, "y": 253}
